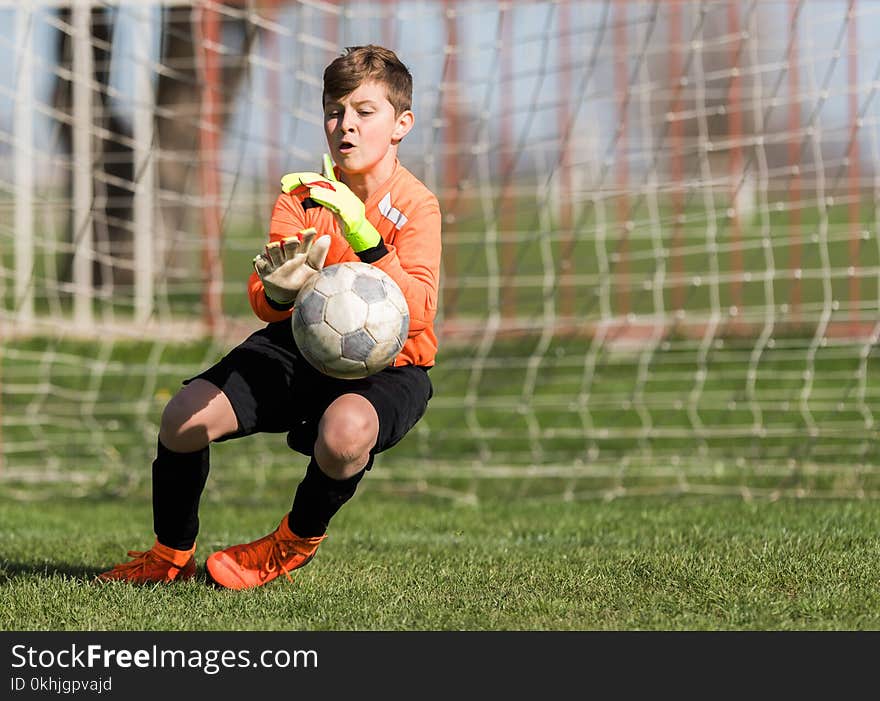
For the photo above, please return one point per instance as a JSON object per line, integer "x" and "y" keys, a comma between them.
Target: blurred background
{"x": 660, "y": 268}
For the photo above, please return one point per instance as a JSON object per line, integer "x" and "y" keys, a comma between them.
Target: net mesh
{"x": 660, "y": 268}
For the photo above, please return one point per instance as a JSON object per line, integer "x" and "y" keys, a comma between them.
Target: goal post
{"x": 661, "y": 268}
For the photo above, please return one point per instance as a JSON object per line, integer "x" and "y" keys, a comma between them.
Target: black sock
{"x": 318, "y": 498}
{"x": 178, "y": 481}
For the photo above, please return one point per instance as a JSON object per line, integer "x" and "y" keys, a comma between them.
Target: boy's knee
{"x": 175, "y": 431}
{"x": 181, "y": 429}
{"x": 195, "y": 416}
{"x": 347, "y": 441}
{"x": 347, "y": 433}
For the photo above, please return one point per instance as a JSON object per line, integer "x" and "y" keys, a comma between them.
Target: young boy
{"x": 369, "y": 208}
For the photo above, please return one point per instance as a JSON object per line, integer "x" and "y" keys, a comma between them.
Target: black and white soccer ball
{"x": 350, "y": 320}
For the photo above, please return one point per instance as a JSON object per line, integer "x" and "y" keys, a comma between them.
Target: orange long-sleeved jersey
{"x": 407, "y": 216}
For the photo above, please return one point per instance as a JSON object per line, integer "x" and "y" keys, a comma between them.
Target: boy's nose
{"x": 347, "y": 122}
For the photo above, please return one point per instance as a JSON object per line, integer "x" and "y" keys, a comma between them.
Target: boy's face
{"x": 362, "y": 130}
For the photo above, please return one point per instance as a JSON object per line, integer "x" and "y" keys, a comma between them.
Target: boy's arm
{"x": 347, "y": 207}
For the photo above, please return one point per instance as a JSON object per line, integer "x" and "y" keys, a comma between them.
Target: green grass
{"x": 395, "y": 563}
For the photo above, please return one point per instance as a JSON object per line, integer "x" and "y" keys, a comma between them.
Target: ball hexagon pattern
{"x": 350, "y": 320}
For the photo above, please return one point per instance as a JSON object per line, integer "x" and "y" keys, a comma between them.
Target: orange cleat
{"x": 158, "y": 564}
{"x": 258, "y": 563}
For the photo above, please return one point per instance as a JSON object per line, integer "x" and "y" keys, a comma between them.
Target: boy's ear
{"x": 404, "y": 123}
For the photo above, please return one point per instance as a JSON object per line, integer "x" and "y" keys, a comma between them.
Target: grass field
{"x": 396, "y": 563}
{"x": 488, "y": 516}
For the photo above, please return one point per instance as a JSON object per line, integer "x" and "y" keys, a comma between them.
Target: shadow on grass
{"x": 85, "y": 575}
{"x": 10, "y": 570}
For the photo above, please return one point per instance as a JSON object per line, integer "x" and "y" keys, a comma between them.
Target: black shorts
{"x": 273, "y": 389}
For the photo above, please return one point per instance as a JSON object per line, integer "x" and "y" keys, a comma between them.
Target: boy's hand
{"x": 287, "y": 265}
{"x": 336, "y": 196}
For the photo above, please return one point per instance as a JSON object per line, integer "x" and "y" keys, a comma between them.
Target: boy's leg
{"x": 238, "y": 396}
{"x": 296, "y": 539}
{"x": 347, "y": 435}
{"x": 198, "y": 414}
{"x": 178, "y": 482}
{"x": 369, "y": 417}
{"x": 319, "y": 497}
{"x": 396, "y": 400}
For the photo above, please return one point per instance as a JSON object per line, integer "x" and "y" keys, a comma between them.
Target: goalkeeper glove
{"x": 337, "y": 197}
{"x": 285, "y": 266}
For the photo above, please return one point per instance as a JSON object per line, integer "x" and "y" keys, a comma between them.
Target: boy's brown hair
{"x": 362, "y": 63}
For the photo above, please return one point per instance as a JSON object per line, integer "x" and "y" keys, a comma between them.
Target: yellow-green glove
{"x": 326, "y": 190}
{"x": 285, "y": 266}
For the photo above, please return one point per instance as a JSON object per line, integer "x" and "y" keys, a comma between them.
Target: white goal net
{"x": 661, "y": 256}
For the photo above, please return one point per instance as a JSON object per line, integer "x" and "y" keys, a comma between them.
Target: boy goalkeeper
{"x": 367, "y": 208}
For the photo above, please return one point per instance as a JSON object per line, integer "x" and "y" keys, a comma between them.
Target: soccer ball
{"x": 350, "y": 320}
